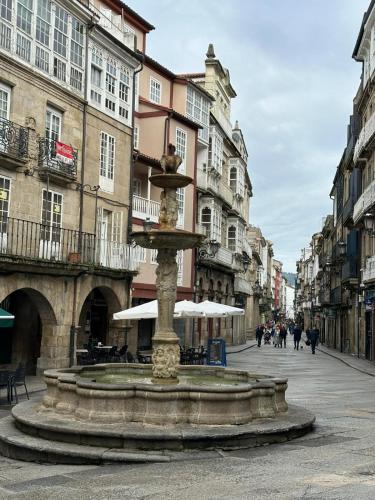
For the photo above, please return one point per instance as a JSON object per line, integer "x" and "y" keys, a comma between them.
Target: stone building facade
{"x": 66, "y": 84}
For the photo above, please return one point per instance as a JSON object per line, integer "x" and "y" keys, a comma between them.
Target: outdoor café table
{"x": 82, "y": 351}
{"x": 108, "y": 347}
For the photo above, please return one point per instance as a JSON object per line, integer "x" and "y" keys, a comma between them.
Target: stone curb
{"x": 244, "y": 349}
{"x": 346, "y": 362}
{"x": 203, "y": 443}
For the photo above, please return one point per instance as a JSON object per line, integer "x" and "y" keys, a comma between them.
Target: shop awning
{"x": 6, "y": 319}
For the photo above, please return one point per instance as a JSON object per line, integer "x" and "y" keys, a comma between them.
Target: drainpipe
{"x": 132, "y": 159}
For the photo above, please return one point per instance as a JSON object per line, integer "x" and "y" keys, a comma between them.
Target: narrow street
{"x": 336, "y": 461}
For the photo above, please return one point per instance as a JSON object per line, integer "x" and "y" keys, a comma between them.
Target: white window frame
{"x": 53, "y": 113}
{"x": 5, "y": 195}
{"x": 216, "y": 150}
{"x": 8, "y": 91}
{"x": 180, "y": 267}
{"x": 66, "y": 65}
{"x": 106, "y": 181}
{"x": 155, "y": 90}
{"x": 181, "y": 148}
{"x": 136, "y": 137}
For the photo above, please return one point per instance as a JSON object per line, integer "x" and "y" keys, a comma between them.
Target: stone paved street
{"x": 337, "y": 461}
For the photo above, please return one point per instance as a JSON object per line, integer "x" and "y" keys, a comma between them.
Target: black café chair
{"x": 18, "y": 379}
{"x": 4, "y": 382}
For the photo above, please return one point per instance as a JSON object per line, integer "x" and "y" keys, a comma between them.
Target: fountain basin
{"x": 123, "y": 393}
{"x": 172, "y": 239}
{"x": 170, "y": 180}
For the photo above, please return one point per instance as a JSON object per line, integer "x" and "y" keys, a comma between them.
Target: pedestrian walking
{"x": 277, "y": 338}
{"x": 297, "y": 332}
{"x": 259, "y": 334}
{"x": 283, "y": 334}
{"x": 314, "y": 339}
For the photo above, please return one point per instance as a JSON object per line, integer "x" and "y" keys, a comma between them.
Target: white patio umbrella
{"x": 215, "y": 310}
{"x": 183, "y": 309}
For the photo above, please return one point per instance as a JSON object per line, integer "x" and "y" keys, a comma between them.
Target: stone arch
{"x": 95, "y": 312}
{"x": 29, "y": 339}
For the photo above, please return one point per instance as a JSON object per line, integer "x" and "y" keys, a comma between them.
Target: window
{"x": 124, "y": 86}
{"x": 181, "y": 148}
{"x": 136, "y": 137}
{"x": 6, "y": 9}
{"x": 42, "y": 59}
{"x": 76, "y": 44}
{"x": 137, "y": 187}
{"x": 4, "y": 208}
{"x": 95, "y": 96}
{"x": 51, "y": 216}
{"x": 96, "y": 77}
{"x": 60, "y": 40}
{"x": 23, "y": 48}
{"x": 123, "y": 112}
{"x": 155, "y": 91}
{"x": 43, "y": 22}
{"x": 107, "y": 161}
{"x": 53, "y": 124}
{"x": 24, "y": 15}
{"x": 233, "y": 179}
{"x": 76, "y": 78}
{"x": 206, "y": 221}
{"x": 110, "y": 77}
{"x": 5, "y": 36}
{"x": 180, "y": 195}
{"x": 4, "y": 101}
{"x": 232, "y": 238}
{"x": 215, "y": 150}
{"x": 117, "y": 227}
{"x": 110, "y": 105}
{"x": 59, "y": 69}
{"x": 153, "y": 256}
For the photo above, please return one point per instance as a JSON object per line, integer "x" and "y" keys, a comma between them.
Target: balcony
{"x": 57, "y": 161}
{"x": 223, "y": 120}
{"x": 324, "y": 296}
{"x": 369, "y": 270}
{"x": 364, "y": 203}
{"x": 366, "y": 140}
{"x": 349, "y": 271}
{"x": 336, "y": 296}
{"x": 347, "y": 213}
{"x": 242, "y": 286}
{"x": 115, "y": 26}
{"x": 14, "y": 144}
{"x": 146, "y": 209}
{"x": 23, "y": 242}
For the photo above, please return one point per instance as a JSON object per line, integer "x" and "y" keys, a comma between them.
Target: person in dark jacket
{"x": 283, "y": 334}
{"x": 314, "y": 338}
{"x": 297, "y": 332}
{"x": 259, "y": 334}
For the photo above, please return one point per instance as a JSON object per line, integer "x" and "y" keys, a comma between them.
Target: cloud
{"x": 290, "y": 63}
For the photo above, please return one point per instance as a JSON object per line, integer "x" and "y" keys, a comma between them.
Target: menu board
{"x": 216, "y": 352}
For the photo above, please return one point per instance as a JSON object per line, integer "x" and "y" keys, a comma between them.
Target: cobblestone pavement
{"x": 337, "y": 461}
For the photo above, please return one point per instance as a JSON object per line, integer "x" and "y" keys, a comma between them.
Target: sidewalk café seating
{"x": 18, "y": 379}
{"x": 4, "y": 382}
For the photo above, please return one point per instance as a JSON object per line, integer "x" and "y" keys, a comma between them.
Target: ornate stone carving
{"x": 171, "y": 161}
{"x": 168, "y": 209}
{"x": 166, "y": 289}
{"x": 165, "y": 358}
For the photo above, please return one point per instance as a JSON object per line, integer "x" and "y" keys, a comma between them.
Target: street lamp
{"x": 369, "y": 224}
{"x": 246, "y": 260}
{"x": 342, "y": 248}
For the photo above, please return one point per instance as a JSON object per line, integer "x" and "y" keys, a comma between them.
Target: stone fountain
{"x": 167, "y": 240}
{"x": 136, "y": 412}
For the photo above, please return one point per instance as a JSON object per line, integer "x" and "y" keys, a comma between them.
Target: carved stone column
{"x": 166, "y": 351}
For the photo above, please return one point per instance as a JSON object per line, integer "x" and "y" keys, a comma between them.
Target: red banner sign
{"x": 64, "y": 153}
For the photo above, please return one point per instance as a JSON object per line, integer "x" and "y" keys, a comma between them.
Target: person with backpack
{"x": 297, "y": 333}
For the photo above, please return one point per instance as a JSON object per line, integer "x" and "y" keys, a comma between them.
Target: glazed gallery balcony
{"x": 366, "y": 140}
{"x": 369, "y": 270}
{"x": 365, "y": 202}
{"x": 14, "y": 144}
{"x": 57, "y": 161}
{"x": 24, "y": 242}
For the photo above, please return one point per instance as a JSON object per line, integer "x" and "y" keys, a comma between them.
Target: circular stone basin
{"x": 123, "y": 393}
{"x": 170, "y": 180}
{"x": 173, "y": 239}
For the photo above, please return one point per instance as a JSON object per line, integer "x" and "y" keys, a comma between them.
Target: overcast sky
{"x": 290, "y": 64}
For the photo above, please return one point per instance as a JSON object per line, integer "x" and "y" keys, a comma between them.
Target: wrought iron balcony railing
{"x": 14, "y": 140}
{"x": 56, "y": 157}
{"x": 44, "y": 242}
